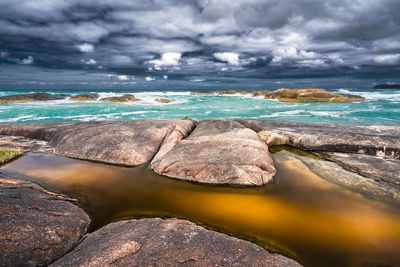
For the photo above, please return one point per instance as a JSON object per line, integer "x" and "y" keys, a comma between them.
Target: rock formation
{"x": 123, "y": 98}
{"x": 173, "y": 242}
{"x": 36, "y": 226}
{"x": 84, "y": 97}
{"x": 30, "y": 97}
{"x": 218, "y": 152}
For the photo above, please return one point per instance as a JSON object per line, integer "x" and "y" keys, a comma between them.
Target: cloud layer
{"x": 209, "y": 37}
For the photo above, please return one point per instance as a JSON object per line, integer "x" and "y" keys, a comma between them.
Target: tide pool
{"x": 382, "y": 107}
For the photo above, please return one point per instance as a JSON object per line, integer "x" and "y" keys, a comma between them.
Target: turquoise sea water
{"x": 381, "y": 108}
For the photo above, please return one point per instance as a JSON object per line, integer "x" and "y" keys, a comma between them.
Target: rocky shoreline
{"x": 364, "y": 159}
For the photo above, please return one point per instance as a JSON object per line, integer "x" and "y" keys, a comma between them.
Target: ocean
{"x": 381, "y": 108}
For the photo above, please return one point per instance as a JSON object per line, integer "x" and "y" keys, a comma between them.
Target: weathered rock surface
{"x": 36, "y": 226}
{"x": 163, "y": 100}
{"x": 119, "y": 142}
{"x": 123, "y": 98}
{"x": 369, "y": 140}
{"x": 173, "y": 242}
{"x": 382, "y": 170}
{"x": 218, "y": 152}
{"x": 308, "y": 95}
{"x": 25, "y": 144}
{"x": 30, "y": 97}
{"x": 84, "y": 97}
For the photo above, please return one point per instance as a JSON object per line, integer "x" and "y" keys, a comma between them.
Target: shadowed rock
{"x": 30, "y": 97}
{"x": 123, "y": 98}
{"x": 308, "y": 95}
{"x": 369, "y": 140}
{"x": 84, "y": 97}
{"x": 119, "y": 142}
{"x": 36, "y": 226}
{"x": 157, "y": 242}
{"x": 218, "y": 152}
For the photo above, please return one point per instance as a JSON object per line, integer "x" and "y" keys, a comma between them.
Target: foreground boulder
{"x": 308, "y": 95}
{"x": 30, "y": 98}
{"x": 84, "y": 97}
{"x": 129, "y": 143}
{"x": 218, "y": 152}
{"x": 123, "y": 98}
{"x": 36, "y": 226}
{"x": 382, "y": 141}
{"x": 157, "y": 242}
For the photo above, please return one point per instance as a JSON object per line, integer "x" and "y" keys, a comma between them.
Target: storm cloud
{"x": 126, "y": 40}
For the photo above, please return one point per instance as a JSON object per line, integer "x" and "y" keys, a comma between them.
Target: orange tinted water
{"x": 300, "y": 215}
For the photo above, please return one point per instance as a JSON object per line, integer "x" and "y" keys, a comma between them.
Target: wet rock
{"x": 382, "y": 170}
{"x": 173, "y": 242}
{"x": 218, "y": 152}
{"x": 123, "y": 98}
{"x": 30, "y": 97}
{"x": 346, "y": 178}
{"x": 308, "y": 95}
{"x": 129, "y": 143}
{"x": 36, "y": 226}
{"x": 84, "y": 97}
{"x": 369, "y": 140}
{"x": 163, "y": 100}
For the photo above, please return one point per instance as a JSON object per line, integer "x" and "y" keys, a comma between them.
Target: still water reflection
{"x": 300, "y": 215}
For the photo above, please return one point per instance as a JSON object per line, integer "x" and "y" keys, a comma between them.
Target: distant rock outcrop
{"x": 308, "y": 95}
{"x": 36, "y": 226}
{"x": 163, "y": 100}
{"x": 173, "y": 242}
{"x": 20, "y": 98}
{"x": 123, "y": 98}
{"x": 84, "y": 97}
{"x": 290, "y": 95}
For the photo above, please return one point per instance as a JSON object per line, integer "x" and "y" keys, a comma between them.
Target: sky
{"x": 125, "y": 43}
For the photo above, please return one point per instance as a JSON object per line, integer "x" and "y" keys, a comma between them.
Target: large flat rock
{"x": 173, "y": 242}
{"x": 382, "y": 141}
{"x": 36, "y": 226}
{"x": 218, "y": 152}
{"x": 118, "y": 142}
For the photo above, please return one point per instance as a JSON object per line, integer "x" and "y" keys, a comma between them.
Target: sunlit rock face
{"x": 36, "y": 226}
{"x": 218, "y": 152}
{"x": 152, "y": 242}
{"x": 129, "y": 143}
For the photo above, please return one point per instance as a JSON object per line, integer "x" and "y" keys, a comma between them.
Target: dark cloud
{"x": 185, "y": 38}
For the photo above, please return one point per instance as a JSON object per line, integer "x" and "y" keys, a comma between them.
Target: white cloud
{"x": 86, "y": 48}
{"x": 166, "y": 60}
{"x": 228, "y": 57}
{"x": 3, "y": 54}
{"x": 27, "y": 61}
{"x": 89, "y": 62}
{"x": 149, "y": 79}
{"x": 123, "y": 77}
{"x": 388, "y": 59}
